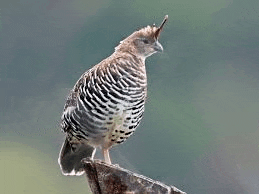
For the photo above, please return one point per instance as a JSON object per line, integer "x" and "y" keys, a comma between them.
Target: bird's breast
{"x": 121, "y": 120}
{"x": 110, "y": 104}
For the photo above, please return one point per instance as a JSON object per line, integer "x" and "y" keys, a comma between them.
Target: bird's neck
{"x": 131, "y": 54}
{"x": 132, "y": 61}
{"x": 124, "y": 49}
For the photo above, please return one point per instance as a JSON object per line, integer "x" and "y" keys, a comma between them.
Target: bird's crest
{"x": 149, "y": 31}
{"x": 152, "y": 31}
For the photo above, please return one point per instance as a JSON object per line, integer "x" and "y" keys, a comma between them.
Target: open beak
{"x": 159, "y": 30}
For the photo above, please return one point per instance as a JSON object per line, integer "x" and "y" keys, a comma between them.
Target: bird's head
{"x": 144, "y": 42}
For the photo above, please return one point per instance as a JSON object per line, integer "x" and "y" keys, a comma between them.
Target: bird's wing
{"x": 86, "y": 102}
{"x": 97, "y": 95}
{"x": 71, "y": 102}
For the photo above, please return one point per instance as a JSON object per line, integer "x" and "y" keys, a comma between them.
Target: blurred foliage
{"x": 0, "y": 22}
{"x": 196, "y": 13}
{"x": 28, "y": 170}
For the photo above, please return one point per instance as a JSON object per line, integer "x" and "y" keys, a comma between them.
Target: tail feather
{"x": 71, "y": 155}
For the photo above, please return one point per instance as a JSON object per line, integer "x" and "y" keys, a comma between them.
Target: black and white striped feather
{"x": 107, "y": 103}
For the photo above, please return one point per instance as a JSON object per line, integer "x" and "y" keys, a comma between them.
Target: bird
{"x": 107, "y": 103}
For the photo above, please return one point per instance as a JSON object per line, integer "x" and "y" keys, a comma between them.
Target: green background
{"x": 200, "y": 128}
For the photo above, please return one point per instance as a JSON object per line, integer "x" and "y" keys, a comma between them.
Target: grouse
{"x": 107, "y": 102}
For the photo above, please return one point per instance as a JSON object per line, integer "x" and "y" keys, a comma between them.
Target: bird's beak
{"x": 158, "y": 47}
{"x": 159, "y": 30}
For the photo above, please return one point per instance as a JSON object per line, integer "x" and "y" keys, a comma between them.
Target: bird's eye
{"x": 145, "y": 41}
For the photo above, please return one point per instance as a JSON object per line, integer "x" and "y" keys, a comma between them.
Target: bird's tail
{"x": 71, "y": 155}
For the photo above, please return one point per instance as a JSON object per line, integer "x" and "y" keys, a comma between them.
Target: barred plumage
{"x": 107, "y": 102}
